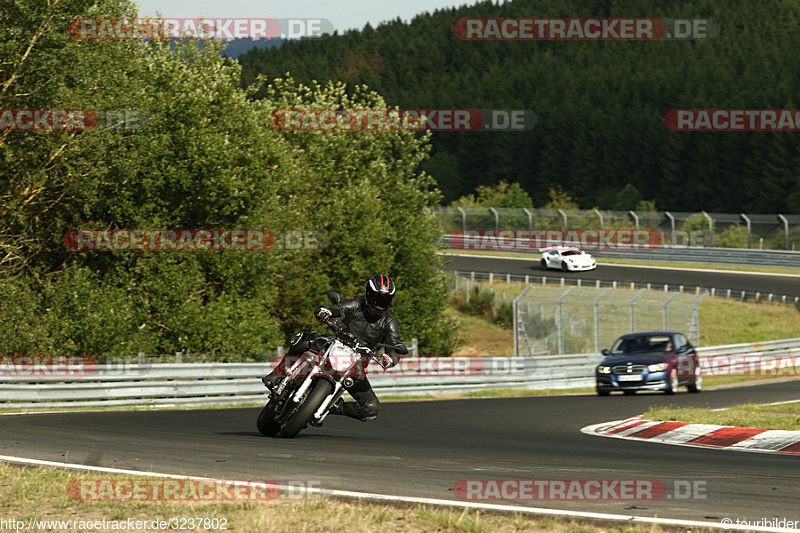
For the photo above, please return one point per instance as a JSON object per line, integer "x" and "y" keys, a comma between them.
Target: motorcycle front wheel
{"x": 266, "y": 423}
{"x": 302, "y": 416}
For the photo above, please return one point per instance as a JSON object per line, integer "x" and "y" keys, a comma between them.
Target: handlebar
{"x": 337, "y": 326}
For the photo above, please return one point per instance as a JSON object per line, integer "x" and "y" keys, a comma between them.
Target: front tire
{"x": 697, "y": 386}
{"x": 543, "y": 264}
{"x": 266, "y": 423}
{"x": 564, "y": 267}
{"x": 302, "y": 417}
{"x": 672, "y": 383}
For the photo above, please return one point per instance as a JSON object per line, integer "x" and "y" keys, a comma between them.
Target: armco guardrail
{"x": 552, "y": 279}
{"x": 237, "y": 383}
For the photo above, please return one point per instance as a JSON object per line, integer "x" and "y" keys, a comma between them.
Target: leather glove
{"x": 386, "y": 361}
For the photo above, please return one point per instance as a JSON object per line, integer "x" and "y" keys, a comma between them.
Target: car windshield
{"x": 572, "y": 252}
{"x": 642, "y": 344}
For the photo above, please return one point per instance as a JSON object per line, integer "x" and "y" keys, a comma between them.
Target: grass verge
{"x": 41, "y": 494}
{"x": 782, "y": 416}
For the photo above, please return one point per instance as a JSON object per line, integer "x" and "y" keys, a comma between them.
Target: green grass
{"x": 781, "y": 416}
{"x": 41, "y": 493}
{"x": 728, "y": 322}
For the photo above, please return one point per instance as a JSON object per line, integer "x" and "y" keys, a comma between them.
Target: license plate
{"x": 632, "y": 377}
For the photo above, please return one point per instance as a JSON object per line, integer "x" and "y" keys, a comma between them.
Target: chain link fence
{"x": 557, "y": 320}
{"x": 724, "y": 230}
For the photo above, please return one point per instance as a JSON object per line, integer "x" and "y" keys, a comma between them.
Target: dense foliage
{"x": 600, "y": 104}
{"x": 208, "y": 157}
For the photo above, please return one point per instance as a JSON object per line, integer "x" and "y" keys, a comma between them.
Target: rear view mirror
{"x": 334, "y": 297}
{"x": 683, "y": 349}
{"x": 605, "y": 352}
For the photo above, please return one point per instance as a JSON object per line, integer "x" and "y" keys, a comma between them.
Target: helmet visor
{"x": 381, "y": 301}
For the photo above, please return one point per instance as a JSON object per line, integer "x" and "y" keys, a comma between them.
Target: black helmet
{"x": 379, "y": 293}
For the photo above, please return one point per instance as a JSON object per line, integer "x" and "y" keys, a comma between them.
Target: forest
{"x": 600, "y": 104}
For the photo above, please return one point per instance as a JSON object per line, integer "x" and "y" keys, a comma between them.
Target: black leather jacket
{"x": 370, "y": 329}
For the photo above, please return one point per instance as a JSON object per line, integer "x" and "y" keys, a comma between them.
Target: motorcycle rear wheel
{"x": 302, "y": 416}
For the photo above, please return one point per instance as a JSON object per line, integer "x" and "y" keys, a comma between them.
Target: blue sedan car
{"x": 649, "y": 360}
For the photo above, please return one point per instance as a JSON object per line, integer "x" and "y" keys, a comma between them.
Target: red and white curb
{"x": 700, "y": 435}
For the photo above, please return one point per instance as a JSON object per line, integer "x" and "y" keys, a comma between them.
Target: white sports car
{"x": 566, "y": 258}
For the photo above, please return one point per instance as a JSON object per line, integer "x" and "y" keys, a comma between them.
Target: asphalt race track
{"x": 423, "y": 448}
{"x": 764, "y": 283}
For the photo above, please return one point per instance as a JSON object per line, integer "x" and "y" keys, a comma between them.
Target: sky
{"x": 343, "y": 14}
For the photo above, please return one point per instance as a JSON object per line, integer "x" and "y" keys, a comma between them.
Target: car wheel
{"x": 629, "y": 392}
{"x": 603, "y": 392}
{"x": 697, "y": 385}
{"x": 544, "y": 264}
{"x": 672, "y": 383}
{"x": 564, "y": 267}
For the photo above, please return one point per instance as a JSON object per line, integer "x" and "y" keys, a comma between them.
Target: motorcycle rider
{"x": 371, "y": 322}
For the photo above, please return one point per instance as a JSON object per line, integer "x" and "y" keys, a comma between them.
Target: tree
{"x": 628, "y": 198}
{"x": 501, "y": 195}
{"x": 208, "y": 158}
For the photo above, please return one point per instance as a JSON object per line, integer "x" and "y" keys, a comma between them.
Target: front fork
{"x": 333, "y": 397}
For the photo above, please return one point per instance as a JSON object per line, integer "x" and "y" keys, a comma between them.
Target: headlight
{"x": 658, "y": 367}
{"x": 604, "y": 369}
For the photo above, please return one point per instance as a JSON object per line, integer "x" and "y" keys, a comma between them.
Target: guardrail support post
{"x": 496, "y": 218}
{"x": 602, "y": 224}
{"x": 530, "y": 218}
{"x": 633, "y": 304}
{"x": 749, "y": 233}
{"x": 515, "y": 310}
{"x": 666, "y": 306}
{"x": 696, "y": 320}
{"x": 463, "y": 219}
{"x": 560, "y": 319}
{"x": 785, "y": 230}
{"x": 710, "y": 230}
{"x": 563, "y": 214}
{"x": 635, "y": 219}
{"x": 671, "y": 227}
{"x": 597, "y": 320}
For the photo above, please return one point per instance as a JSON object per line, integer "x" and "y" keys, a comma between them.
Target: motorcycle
{"x": 316, "y": 380}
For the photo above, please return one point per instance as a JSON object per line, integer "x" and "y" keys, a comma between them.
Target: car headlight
{"x": 604, "y": 369}
{"x": 658, "y": 367}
